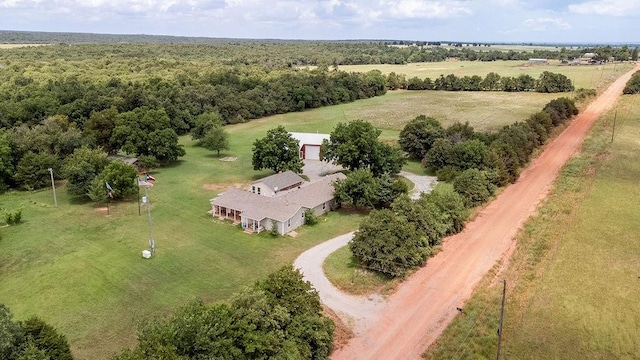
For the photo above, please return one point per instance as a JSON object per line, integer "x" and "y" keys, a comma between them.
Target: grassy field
{"x": 573, "y": 281}
{"x": 585, "y": 76}
{"x": 81, "y": 269}
{"x": 485, "y": 111}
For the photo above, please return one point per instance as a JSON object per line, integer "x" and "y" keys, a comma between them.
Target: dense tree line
{"x": 548, "y": 82}
{"x": 45, "y": 117}
{"x": 633, "y": 85}
{"x": 277, "y": 318}
{"x": 499, "y": 155}
{"x": 395, "y": 240}
{"x": 30, "y": 339}
{"x": 297, "y": 52}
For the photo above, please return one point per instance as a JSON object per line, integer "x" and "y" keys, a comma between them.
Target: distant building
{"x": 538, "y": 61}
{"x": 310, "y": 144}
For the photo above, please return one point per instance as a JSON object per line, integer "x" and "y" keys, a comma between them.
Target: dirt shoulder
{"x": 424, "y": 305}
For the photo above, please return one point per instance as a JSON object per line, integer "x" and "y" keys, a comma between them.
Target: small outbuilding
{"x": 310, "y": 144}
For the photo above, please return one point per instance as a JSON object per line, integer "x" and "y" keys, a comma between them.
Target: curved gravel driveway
{"x": 359, "y": 312}
{"x": 423, "y": 183}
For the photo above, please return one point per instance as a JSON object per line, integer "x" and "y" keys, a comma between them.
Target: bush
{"x": 582, "y": 94}
{"x": 633, "y": 85}
{"x": 274, "y": 229}
{"x": 310, "y": 217}
{"x": 12, "y": 217}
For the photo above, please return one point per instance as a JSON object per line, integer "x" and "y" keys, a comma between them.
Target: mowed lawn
{"x": 573, "y": 281}
{"x": 81, "y": 269}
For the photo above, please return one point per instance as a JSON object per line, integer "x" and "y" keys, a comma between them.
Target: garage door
{"x": 312, "y": 152}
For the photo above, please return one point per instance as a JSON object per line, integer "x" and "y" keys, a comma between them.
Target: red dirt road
{"x": 425, "y": 304}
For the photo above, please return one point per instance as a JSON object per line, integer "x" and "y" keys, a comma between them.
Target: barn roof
{"x": 310, "y": 138}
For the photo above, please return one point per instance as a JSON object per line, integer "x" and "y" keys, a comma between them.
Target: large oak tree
{"x": 277, "y": 151}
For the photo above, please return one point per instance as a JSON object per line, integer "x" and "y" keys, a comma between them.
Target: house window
{"x": 258, "y": 191}
{"x": 289, "y": 223}
{"x": 253, "y": 189}
{"x": 324, "y": 205}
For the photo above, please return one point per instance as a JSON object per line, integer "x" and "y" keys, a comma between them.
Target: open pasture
{"x": 573, "y": 280}
{"x": 390, "y": 112}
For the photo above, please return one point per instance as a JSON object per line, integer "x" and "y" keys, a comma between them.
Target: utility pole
{"x": 504, "y": 292}
{"x": 146, "y": 198}
{"x": 53, "y": 186}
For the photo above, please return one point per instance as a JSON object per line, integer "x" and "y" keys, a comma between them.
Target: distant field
{"x": 13, "y": 46}
{"x": 484, "y": 110}
{"x": 584, "y": 76}
{"x": 573, "y": 281}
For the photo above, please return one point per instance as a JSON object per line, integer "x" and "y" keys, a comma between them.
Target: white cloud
{"x": 544, "y": 24}
{"x": 607, "y": 8}
{"x": 412, "y": 9}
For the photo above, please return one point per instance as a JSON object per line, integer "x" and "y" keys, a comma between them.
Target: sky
{"x": 538, "y": 21}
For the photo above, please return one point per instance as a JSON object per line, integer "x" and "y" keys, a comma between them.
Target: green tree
{"x": 120, "y": 176}
{"x": 389, "y": 189}
{"x": 459, "y": 132}
{"x": 286, "y": 287}
{"x": 359, "y": 189}
{"x": 549, "y": 82}
{"x": 11, "y": 335}
{"x": 452, "y": 205}
{"x": 388, "y": 243}
{"x": 204, "y": 123}
{"x": 417, "y": 137}
{"x": 47, "y": 339}
{"x": 469, "y": 154}
{"x": 99, "y": 128}
{"x": 440, "y": 154}
{"x": 355, "y": 145}
{"x": 428, "y": 219}
{"x": 145, "y": 131}
{"x": 81, "y": 168}
{"x": 216, "y": 139}
{"x": 31, "y": 171}
{"x": 277, "y": 151}
{"x": 491, "y": 82}
{"x": 474, "y": 186}
{"x": 6, "y": 160}
{"x": 258, "y": 326}
{"x": 634, "y": 54}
